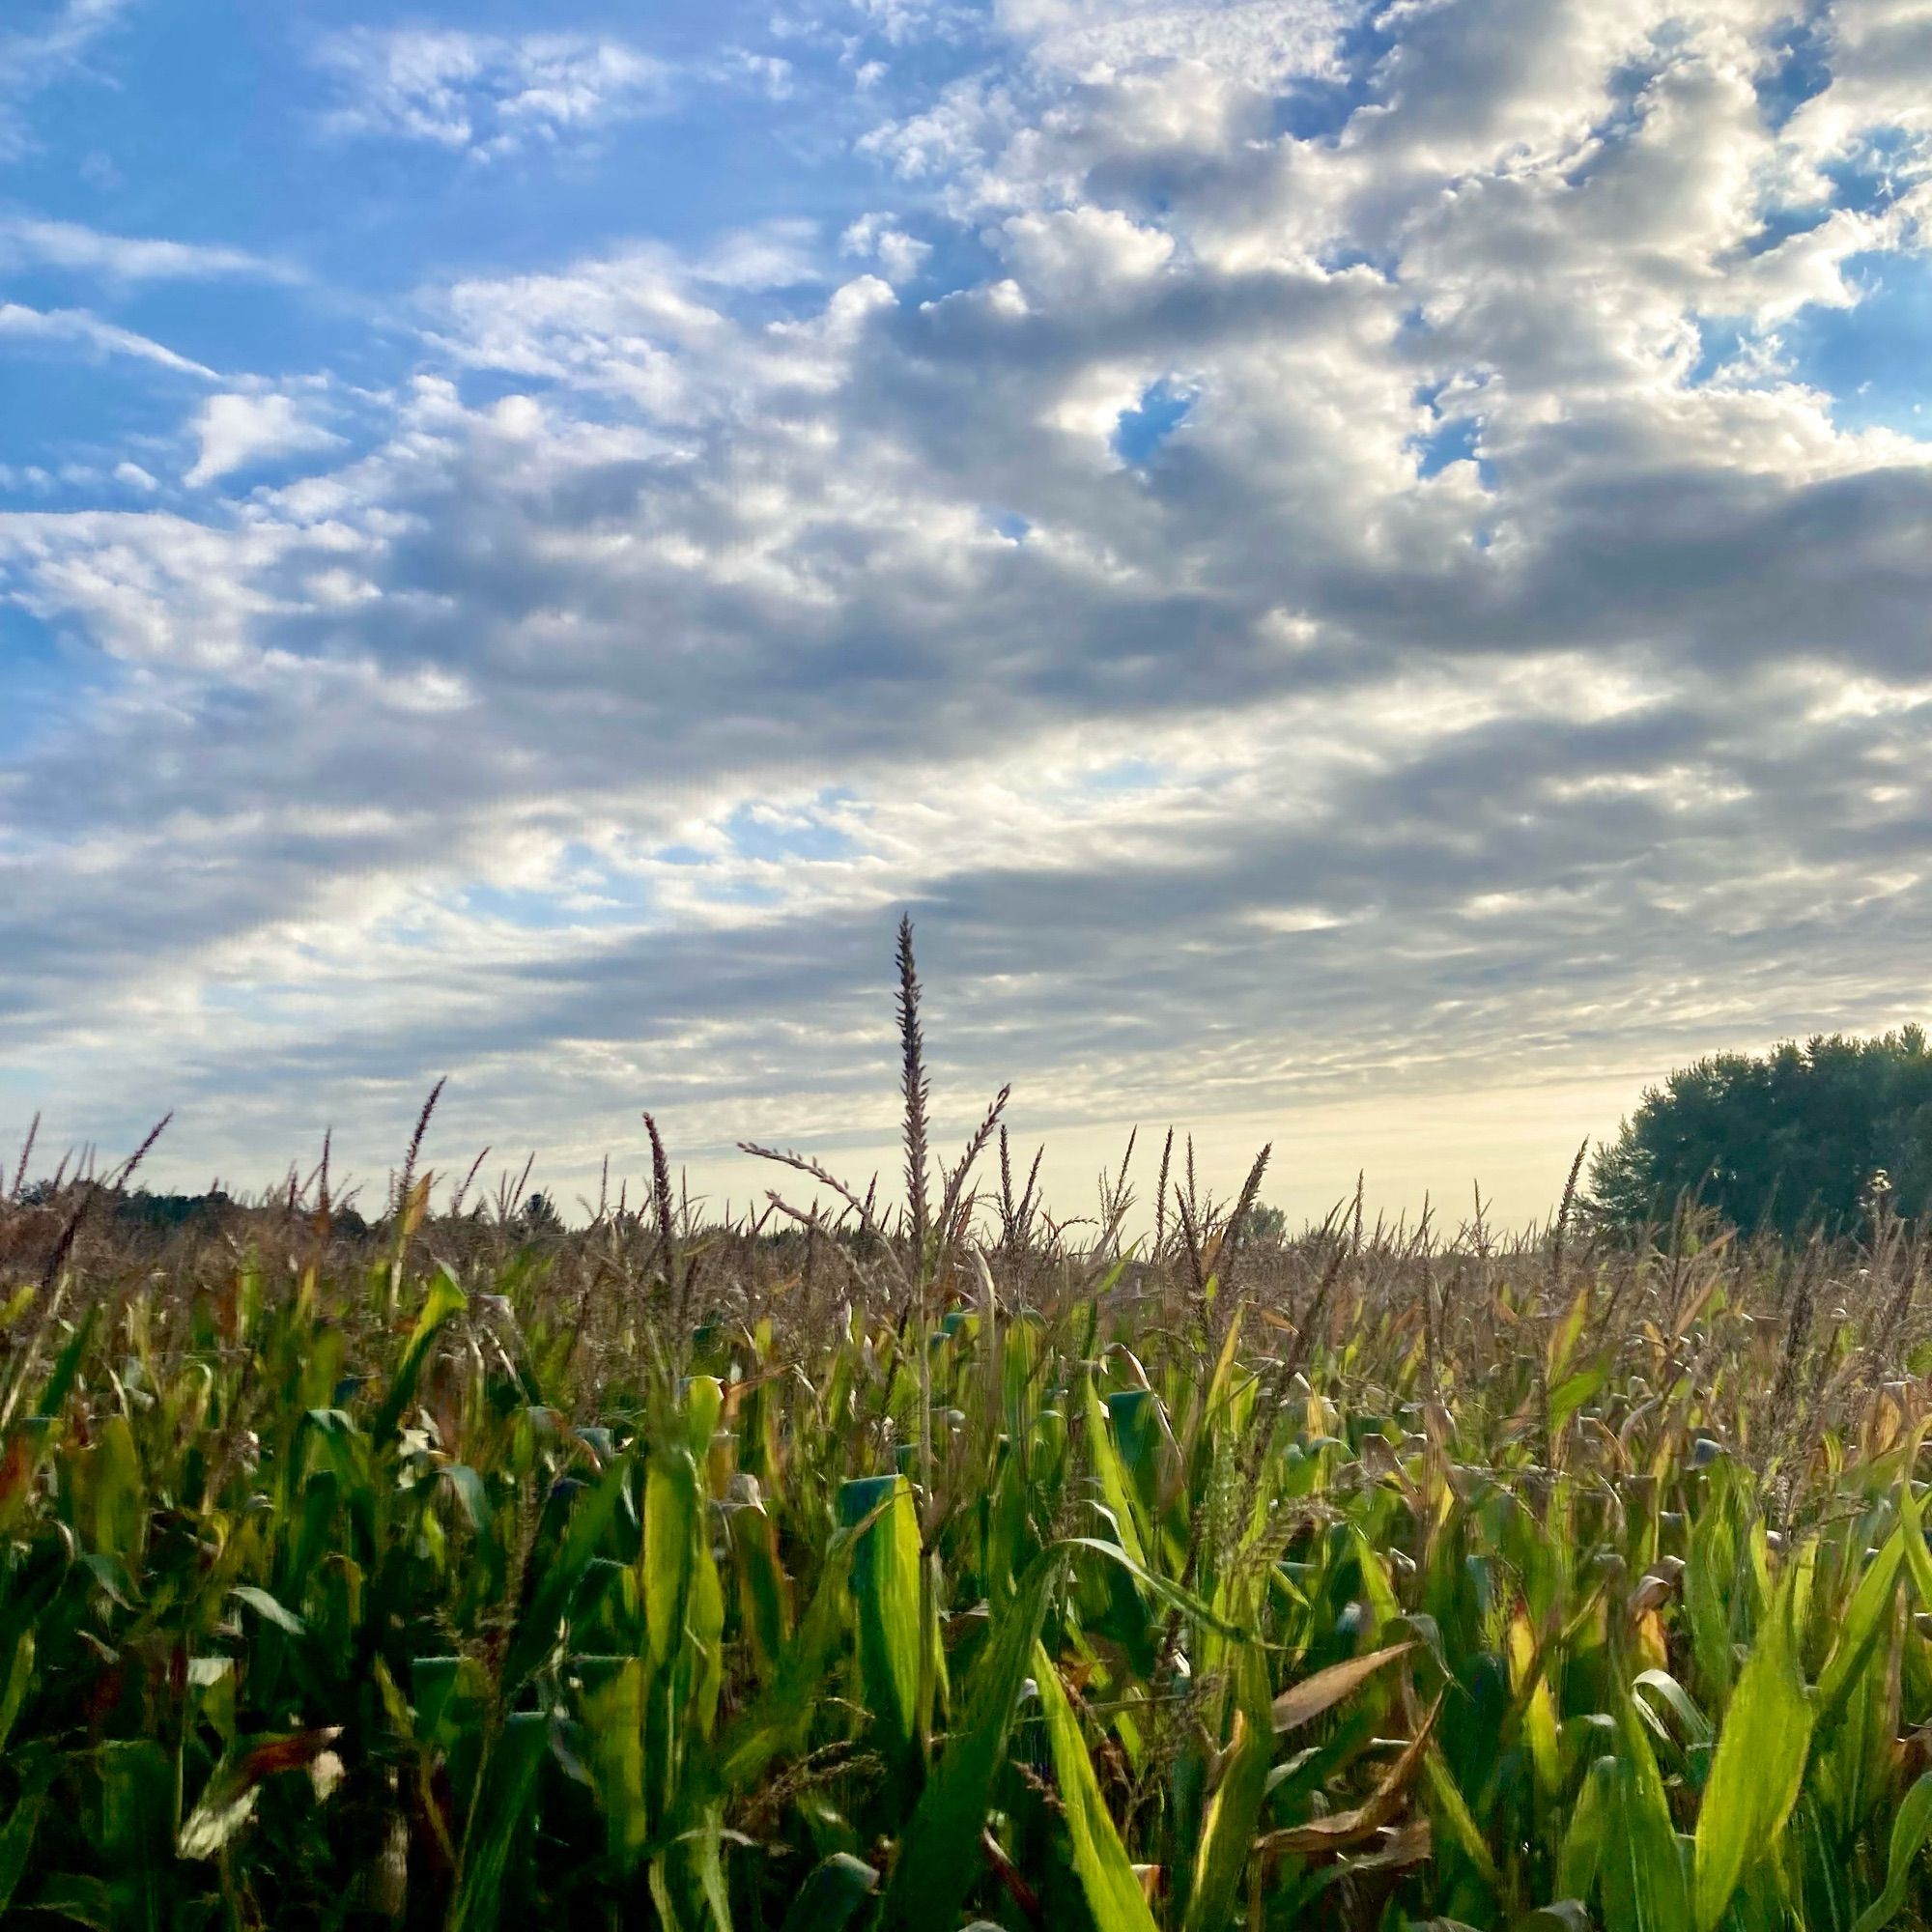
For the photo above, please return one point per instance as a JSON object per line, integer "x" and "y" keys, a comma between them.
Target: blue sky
{"x": 1362, "y": 569}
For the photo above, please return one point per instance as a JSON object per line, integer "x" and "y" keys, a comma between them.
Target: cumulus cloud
{"x": 484, "y": 95}
{"x": 1494, "y": 661}
{"x": 236, "y": 430}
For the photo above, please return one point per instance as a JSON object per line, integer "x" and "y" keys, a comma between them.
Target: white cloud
{"x": 34, "y": 58}
{"x": 1261, "y": 42}
{"x": 1513, "y": 673}
{"x": 485, "y": 95}
{"x": 25, "y": 242}
{"x": 234, "y": 430}
{"x": 82, "y": 327}
{"x": 878, "y": 238}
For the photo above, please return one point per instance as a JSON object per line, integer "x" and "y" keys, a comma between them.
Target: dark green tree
{"x": 540, "y": 1216}
{"x": 1264, "y": 1226}
{"x": 1788, "y": 1140}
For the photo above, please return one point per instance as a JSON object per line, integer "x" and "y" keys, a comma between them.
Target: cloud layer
{"x": 1306, "y": 545}
{"x": 483, "y": 95}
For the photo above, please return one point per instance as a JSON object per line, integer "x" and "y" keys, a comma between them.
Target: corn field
{"x": 814, "y": 1572}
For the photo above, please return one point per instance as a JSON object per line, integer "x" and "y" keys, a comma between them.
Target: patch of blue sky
{"x": 1413, "y": 328}
{"x": 1623, "y": 115}
{"x": 714, "y": 149}
{"x": 1871, "y": 359}
{"x": 1009, "y": 525}
{"x": 1385, "y": 261}
{"x": 961, "y": 259}
{"x": 1164, "y": 406}
{"x": 45, "y": 678}
{"x": 774, "y": 837}
{"x": 1452, "y": 439}
{"x": 521, "y": 906}
{"x": 362, "y": 222}
{"x": 1871, "y": 176}
{"x": 1780, "y": 224}
{"x": 1801, "y": 66}
{"x": 585, "y": 892}
{"x": 70, "y": 408}
{"x": 1123, "y": 776}
{"x": 1721, "y": 339}
{"x": 1319, "y": 107}
{"x": 248, "y": 1000}
{"x": 740, "y": 893}
{"x": 24, "y": 1090}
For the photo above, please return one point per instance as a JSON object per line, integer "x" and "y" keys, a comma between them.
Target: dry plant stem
{"x": 53, "y": 1290}
{"x": 912, "y": 1070}
{"x": 661, "y": 1203}
{"x": 456, "y": 1203}
{"x": 403, "y": 1206}
{"x": 26, "y": 1154}
{"x": 1005, "y": 1191}
{"x": 949, "y": 1205}
{"x": 1160, "y": 1198}
{"x": 860, "y": 1208}
{"x": 924, "y": 1269}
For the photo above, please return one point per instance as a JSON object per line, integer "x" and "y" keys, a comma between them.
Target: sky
{"x": 1363, "y": 571}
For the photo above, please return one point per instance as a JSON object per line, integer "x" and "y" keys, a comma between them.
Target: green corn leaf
{"x": 1455, "y": 1822}
{"x": 1697, "y": 1728}
{"x": 885, "y": 1589}
{"x": 938, "y": 1856}
{"x": 540, "y": 1627}
{"x": 1170, "y": 1593}
{"x": 1113, "y": 1893}
{"x": 673, "y": 1512}
{"x": 763, "y": 1592}
{"x": 778, "y": 1720}
{"x": 67, "y": 1365}
{"x": 1759, "y": 1764}
{"x": 1115, "y": 1488}
{"x": 1911, "y": 1520}
{"x": 1562, "y": 1915}
{"x": 1569, "y": 1395}
{"x": 1228, "y": 1831}
{"x": 1910, "y": 1828}
{"x": 16, "y": 1835}
{"x": 1581, "y": 1856}
{"x": 445, "y": 1301}
{"x": 834, "y": 1895}
{"x": 613, "y": 1721}
{"x": 16, "y": 1682}
{"x": 1640, "y": 1870}
{"x": 509, "y": 1779}
{"x": 137, "y": 1815}
{"x": 79, "y": 1900}
{"x": 267, "y": 1606}
{"x": 1864, "y": 1621}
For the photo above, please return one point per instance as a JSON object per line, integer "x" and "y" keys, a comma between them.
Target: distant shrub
{"x": 1264, "y": 1225}
{"x": 1791, "y": 1141}
{"x": 540, "y": 1215}
{"x": 165, "y": 1213}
